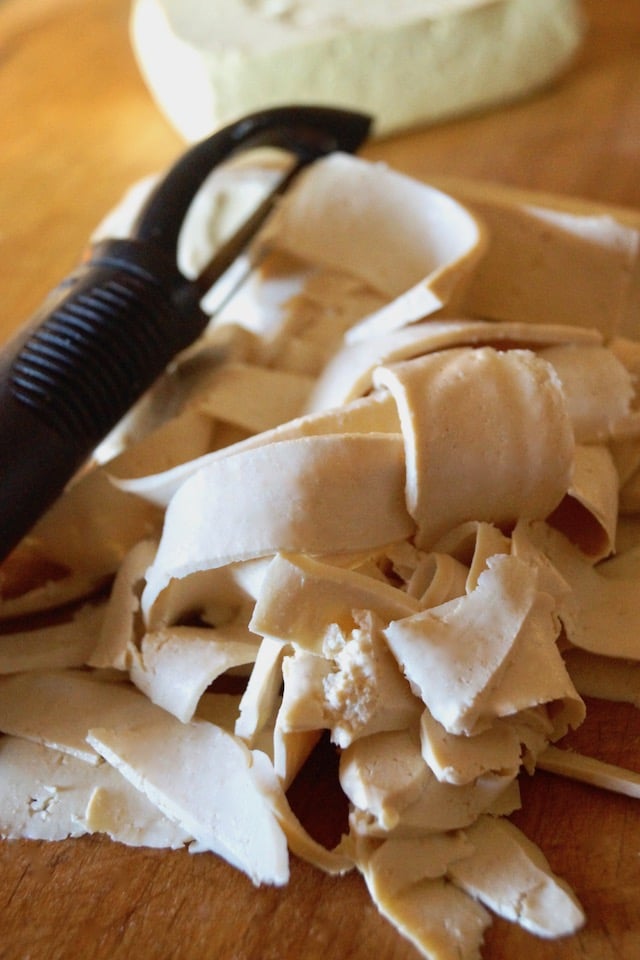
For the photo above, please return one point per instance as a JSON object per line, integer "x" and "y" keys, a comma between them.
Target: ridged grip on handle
{"x": 108, "y": 332}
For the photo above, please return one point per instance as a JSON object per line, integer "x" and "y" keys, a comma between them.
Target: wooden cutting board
{"x": 78, "y": 127}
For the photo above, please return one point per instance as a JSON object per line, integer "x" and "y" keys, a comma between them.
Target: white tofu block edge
{"x": 208, "y": 62}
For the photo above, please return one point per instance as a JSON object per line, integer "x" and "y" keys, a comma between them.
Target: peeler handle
{"x": 108, "y": 331}
{"x": 98, "y": 341}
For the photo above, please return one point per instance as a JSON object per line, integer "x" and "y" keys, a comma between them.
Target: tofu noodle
{"x": 390, "y": 499}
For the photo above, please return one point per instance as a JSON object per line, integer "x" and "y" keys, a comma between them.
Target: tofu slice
{"x": 231, "y": 510}
{"x": 174, "y": 666}
{"x": 467, "y": 686}
{"x": 511, "y": 876}
{"x": 57, "y": 708}
{"x": 195, "y": 774}
{"x": 438, "y": 918}
{"x": 49, "y": 795}
{"x": 54, "y": 647}
{"x": 301, "y": 596}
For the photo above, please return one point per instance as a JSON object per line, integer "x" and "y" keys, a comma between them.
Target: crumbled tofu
{"x": 364, "y": 691}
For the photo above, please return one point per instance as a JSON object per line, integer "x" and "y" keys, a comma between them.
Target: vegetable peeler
{"x": 106, "y": 332}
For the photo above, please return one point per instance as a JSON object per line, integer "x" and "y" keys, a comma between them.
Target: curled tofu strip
{"x": 607, "y": 776}
{"x": 383, "y": 775}
{"x": 408, "y": 882}
{"x": 626, "y": 455}
{"x": 254, "y": 397}
{"x": 512, "y": 664}
{"x": 373, "y": 414}
{"x": 393, "y": 791}
{"x": 220, "y": 595}
{"x": 588, "y": 514}
{"x": 472, "y": 543}
{"x": 599, "y": 391}
{"x": 89, "y": 530}
{"x": 262, "y": 693}
{"x": 95, "y": 523}
{"x": 603, "y": 677}
{"x": 261, "y": 715}
{"x": 487, "y": 437}
{"x": 488, "y": 541}
{"x": 630, "y": 494}
{"x": 220, "y": 709}
{"x": 216, "y": 768}
{"x": 437, "y": 917}
{"x": 304, "y": 325}
{"x": 462, "y": 759}
{"x": 118, "y": 634}
{"x": 303, "y": 707}
{"x": 510, "y": 875}
{"x": 445, "y": 806}
{"x": 302, "y": 495}
{"x": 399, "y": 236}
{"x": 429, "y": 578}
{"x": 336, "y": 861}
{"x": 289, "y": 751}
{"x": 349, "y": 372}
{"x": 397, "y": 864}
{"x": 628, "y": 535}
{"x": 446, "y": 581}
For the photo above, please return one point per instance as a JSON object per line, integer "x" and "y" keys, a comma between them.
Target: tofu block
{"x": 208, "y": 62}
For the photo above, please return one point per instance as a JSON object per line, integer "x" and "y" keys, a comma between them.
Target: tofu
{"x": 512, "y": 665}
{"x": 421, "y": 563}
{"x": 57, "y": 708}
{"x": 53, "y": 647}
{"x": 407, "y": 63}
{"x": 49, "y": 795}
{"x": 216, "y": 768}
{"x": 511, "y": 876}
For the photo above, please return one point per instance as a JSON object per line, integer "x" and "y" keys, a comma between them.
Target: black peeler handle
{"x": 104, "y": 335}
{"x": 96, "y": 344}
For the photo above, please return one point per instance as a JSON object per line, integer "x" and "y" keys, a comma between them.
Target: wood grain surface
{"x": 78, "y": 126}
